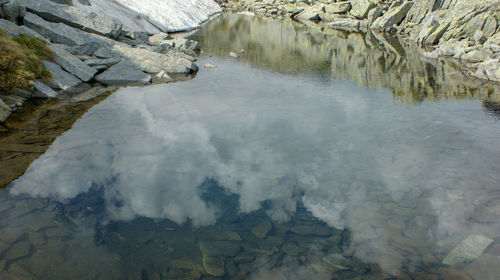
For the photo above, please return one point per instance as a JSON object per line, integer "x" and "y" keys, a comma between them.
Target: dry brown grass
{"x": 21, "y": 61}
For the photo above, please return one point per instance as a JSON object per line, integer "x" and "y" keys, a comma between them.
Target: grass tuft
{"x": 21, "y": 61}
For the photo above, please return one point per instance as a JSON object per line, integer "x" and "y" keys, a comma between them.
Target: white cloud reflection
{"x": 355, "y": 159}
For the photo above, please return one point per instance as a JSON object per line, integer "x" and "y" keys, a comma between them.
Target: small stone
{"x": 219, "y": 248}
{"x": 311, "y": 230}
{"x": 208, "y": 65}
{"x": 262, "y": 229}
{"x": 338, "y": 261}
{"x": 468, "y": 250}
{"x": 453, "y": 274}
{"x": 234, "y": 55}
{"x": 214, "y": 266}
{"x": 18, "y": 250}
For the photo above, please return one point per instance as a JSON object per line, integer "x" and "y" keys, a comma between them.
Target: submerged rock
{"x": 219, "y": 248}
{"x": 214, "y": 266}
{"x": 124, "y": 73}
{"x": 261, "y": 230}
{"x": 468, "y": 250}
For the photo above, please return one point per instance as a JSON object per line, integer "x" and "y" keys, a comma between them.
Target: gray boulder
{"x": 107, "y": 62}
{"x": 393, "y": 16}
{"x": 10, "y": 28}
{"x": 124, "y": 73}
{"x": 14, "y": 30}
{"x": 13, "y": 11}
{"x": 360, "y": 8}
{"x": 66, "y": 2}
{"x": 58, "y": 33}
{"x": 152, "y": 62}
{"x": 42, "y": 90}
{"x": 159, "y": 38}
{"x": 61, "y": 79}
{"x": 79, "y": 17}
{"x": 5, "y": 111}
{"x": 72, "y": 64}
{"x": 103, "y": 52}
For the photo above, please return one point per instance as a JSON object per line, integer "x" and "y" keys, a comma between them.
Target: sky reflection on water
{"x": 399, "y": 178}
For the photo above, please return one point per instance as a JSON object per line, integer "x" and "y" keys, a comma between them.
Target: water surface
{"x": 302, "y": 159}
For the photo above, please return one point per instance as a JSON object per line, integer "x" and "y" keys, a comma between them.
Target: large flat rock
{"x": 174, "y": 15}
{"x": 79, "y": 17}
{"x": 72, "y": 64}
{"x": 61, "y": 79}
{"x": 124, "y": 73}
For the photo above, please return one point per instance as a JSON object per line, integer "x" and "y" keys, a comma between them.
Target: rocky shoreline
{"x": 451, "y": 29}
{"x": 98, "y": 45}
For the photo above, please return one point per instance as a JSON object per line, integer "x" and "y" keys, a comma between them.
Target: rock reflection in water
{"x": 370, "y": 59}
{"x": 301, "y": 152}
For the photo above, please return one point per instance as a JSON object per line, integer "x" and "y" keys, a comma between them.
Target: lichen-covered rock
{"x": 360, "y": 8}
{"x": 393, "y": 16}
{"x": 338, "y": 8}
{"x": 311, "y": 13}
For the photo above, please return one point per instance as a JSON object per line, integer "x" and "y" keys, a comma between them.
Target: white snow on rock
{"x": 172, "y": 15}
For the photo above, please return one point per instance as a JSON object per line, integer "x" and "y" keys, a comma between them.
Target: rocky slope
{"x": 106, "y": 42}
{"x": 459, "y": 29}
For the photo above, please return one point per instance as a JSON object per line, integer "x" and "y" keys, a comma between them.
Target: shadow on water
{"x": 267, "y": 167}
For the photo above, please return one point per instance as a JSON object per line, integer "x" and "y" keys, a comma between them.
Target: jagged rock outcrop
{"x": 462, "y": 29}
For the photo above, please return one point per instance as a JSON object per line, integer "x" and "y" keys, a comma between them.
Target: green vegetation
{"x": 21, "y": 61}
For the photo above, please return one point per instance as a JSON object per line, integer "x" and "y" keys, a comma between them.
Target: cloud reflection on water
{"x": 353, "y": 157}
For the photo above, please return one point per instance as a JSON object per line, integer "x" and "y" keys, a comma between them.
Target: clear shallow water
{"x": 253, "y": 171}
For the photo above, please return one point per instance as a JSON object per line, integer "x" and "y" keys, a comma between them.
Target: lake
{"x": 316, "y": 154}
